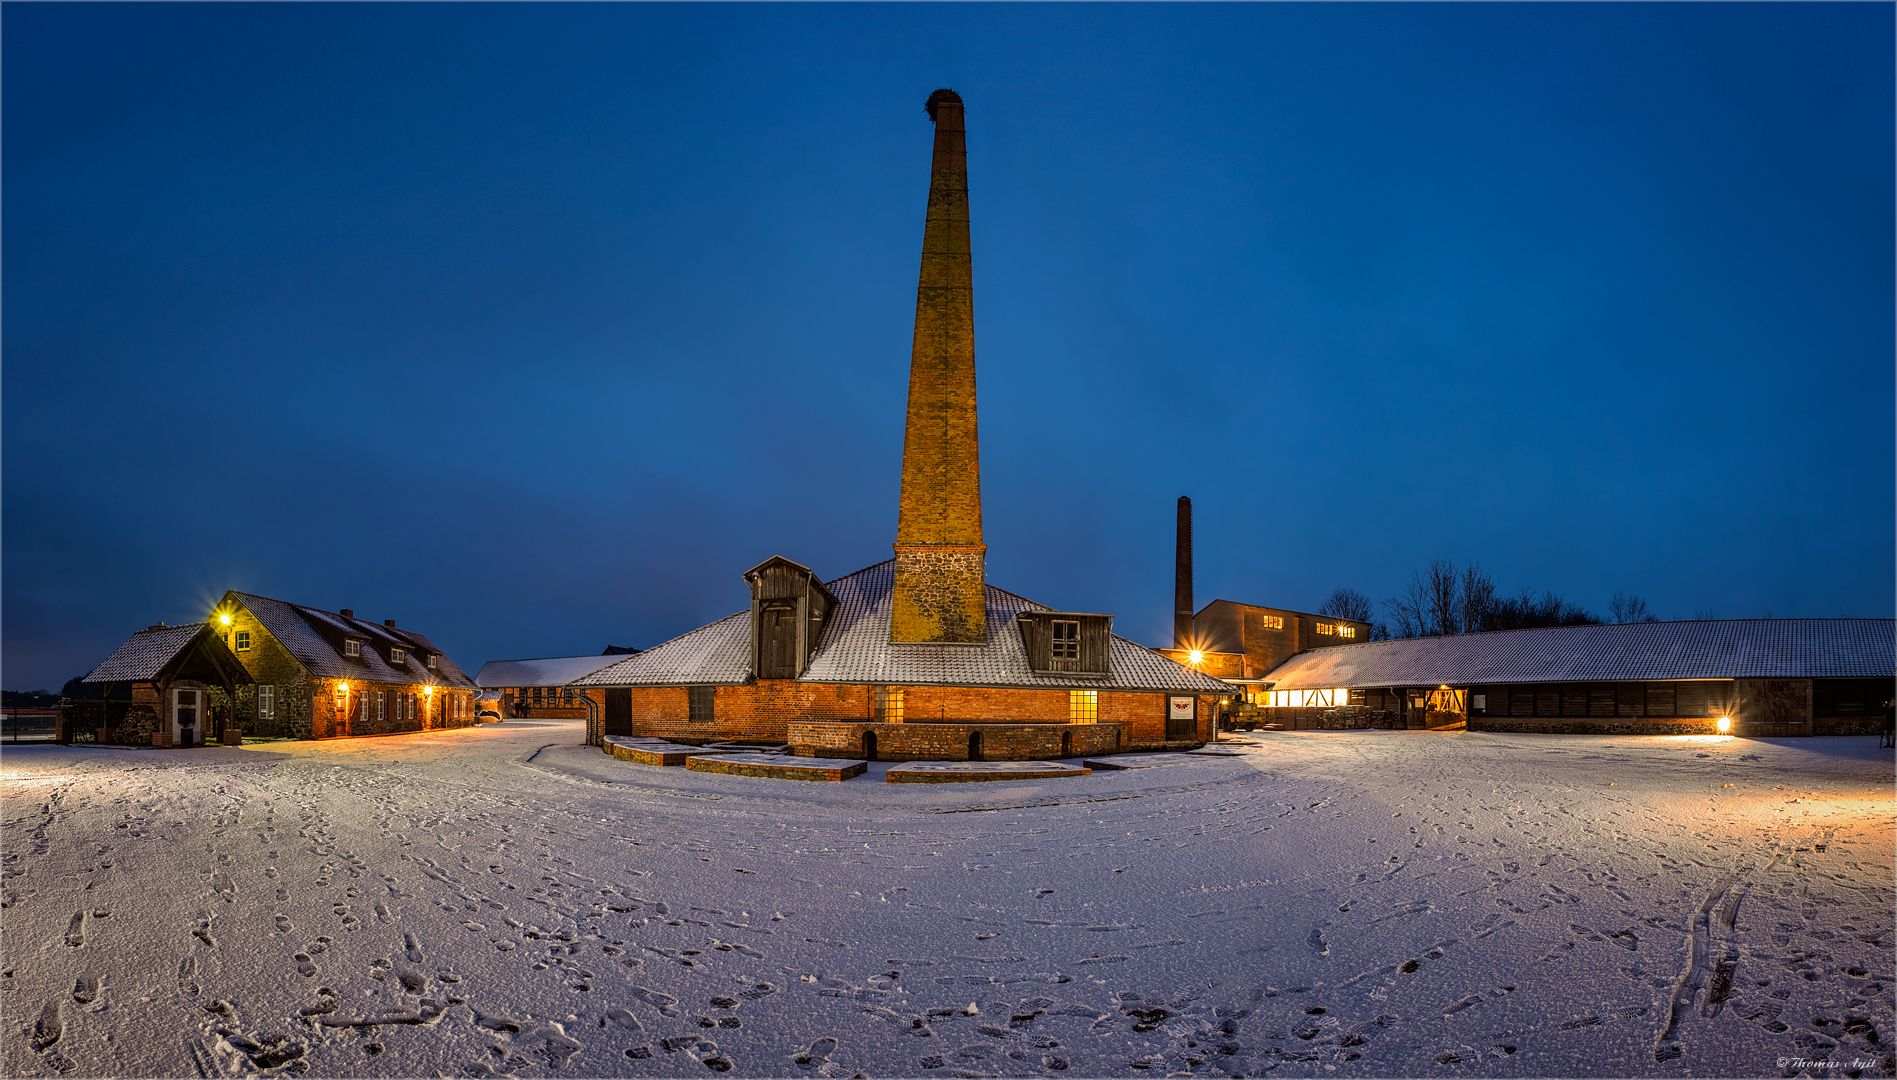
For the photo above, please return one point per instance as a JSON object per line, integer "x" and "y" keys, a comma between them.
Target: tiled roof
{"x": 300, "y": 630}
{"x": 1713, "y": 649}
{"x": 855, "y": 649}
{"x": 547, "y": 671}
{"x": 145, "y": 653}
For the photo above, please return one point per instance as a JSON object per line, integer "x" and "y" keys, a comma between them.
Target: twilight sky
{"x": 532, "y": 327}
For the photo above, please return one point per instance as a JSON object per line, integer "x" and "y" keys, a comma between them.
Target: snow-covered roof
{"x": 546, "y": 671}
{"x": 855, "y": 649}
{"x": 315, "y": 638}
{"x": 145, "y": 654}
{"x": 1706, "y": 649}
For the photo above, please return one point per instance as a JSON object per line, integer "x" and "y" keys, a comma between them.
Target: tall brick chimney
{"x": 1182, "y": 578}
{"x": 939, "y": 594}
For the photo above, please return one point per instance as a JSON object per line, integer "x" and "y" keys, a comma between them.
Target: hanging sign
{"x": 1183, "y": 708}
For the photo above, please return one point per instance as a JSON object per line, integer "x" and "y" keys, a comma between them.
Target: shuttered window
{"x": 1066, "y": 639}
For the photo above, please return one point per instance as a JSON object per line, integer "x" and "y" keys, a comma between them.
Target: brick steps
{"x": 777, "y": 766}
{"x": 962, "y": 772}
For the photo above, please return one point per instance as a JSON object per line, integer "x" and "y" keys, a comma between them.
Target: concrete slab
{"x": 750, "y": 748}
{"x": 777, "y": 766}
{"x": 963, "y": 772}
{"x": 650, "y": 751}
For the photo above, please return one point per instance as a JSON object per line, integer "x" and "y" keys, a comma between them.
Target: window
{"x": 398, "y": 656}
{"x": 700, "y": 706}
{"x": 1272, "y": 622}
{"x": 434, "y": 662}
{"x": 889, "y": 704}
{"x": 243, "y": 641}
{"x": 1083, "y": 706}
{"x": 1327, "y": 629}
{"x": 1066, "y": 639}
{"x": 381, "y": 700}
{"x": 1346, "y": 631}
{"x": 266, "y": 702}
{"x": 352, "y": 647}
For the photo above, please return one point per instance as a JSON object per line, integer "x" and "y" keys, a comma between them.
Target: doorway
{"x": 869, "y": 746}
{"x": 187, "y": 707}
{"x": 974, "y": 746}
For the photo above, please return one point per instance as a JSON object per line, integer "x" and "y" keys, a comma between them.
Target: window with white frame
{"x": 434, "y": 662}
{"x": 381, "y": 705}
{"x": 398, "y": 656}
{"x": 266, "y": 702}
{"x": 352, "y": 647}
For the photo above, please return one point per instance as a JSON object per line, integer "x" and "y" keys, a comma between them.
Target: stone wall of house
{"x": 271, "y": 664}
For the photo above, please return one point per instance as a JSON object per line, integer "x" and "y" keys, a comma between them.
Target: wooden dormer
{"x": 1067, "y": 642}
{"x": 789, "y": 607}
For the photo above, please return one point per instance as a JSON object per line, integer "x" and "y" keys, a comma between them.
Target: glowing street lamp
{"x": 225, "y": 618}
{"x": 1725, "y": 724}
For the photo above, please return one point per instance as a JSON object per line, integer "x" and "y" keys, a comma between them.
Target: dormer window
{"x": 352, "y": 647}
{"x": 1066, "y": 642}
{"x": 434, "y": 662}
{"x": 398, "y": 656}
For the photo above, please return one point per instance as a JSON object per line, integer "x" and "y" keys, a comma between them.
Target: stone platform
{"x": 776, "y": 766}
{"x": 1154, "y": 761}
{"x": 650, "y": 751}
{"x": 963, "y": 772}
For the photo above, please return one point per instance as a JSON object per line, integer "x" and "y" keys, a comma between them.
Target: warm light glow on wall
{"x": 1306, "y": 699}
{"x": 1196, "y": 657}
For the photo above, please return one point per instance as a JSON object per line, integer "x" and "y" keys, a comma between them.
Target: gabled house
{"x": 320, "y": 674}
{"x": 182, "y": 680}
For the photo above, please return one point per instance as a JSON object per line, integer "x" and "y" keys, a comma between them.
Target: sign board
{"x": 1182, "y": 708}
{"x": 1479, "y": 702}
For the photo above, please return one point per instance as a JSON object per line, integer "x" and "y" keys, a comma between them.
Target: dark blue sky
{"x": 531, "y": 327}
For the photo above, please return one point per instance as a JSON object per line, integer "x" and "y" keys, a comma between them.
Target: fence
{"x": 29, "y": 725}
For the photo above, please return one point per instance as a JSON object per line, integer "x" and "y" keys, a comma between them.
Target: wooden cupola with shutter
{"x": 789, "y": 607}
{"x": 1066, "y": 642}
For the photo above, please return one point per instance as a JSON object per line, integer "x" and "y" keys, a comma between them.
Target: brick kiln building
{"x": 916, "y": 657}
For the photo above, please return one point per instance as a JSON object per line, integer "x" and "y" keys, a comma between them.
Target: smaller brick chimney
{"x": 349, "y": 613}
{"x": 390, "y": 623}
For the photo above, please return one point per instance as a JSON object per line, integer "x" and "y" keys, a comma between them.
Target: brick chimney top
{"x": 390, "y": 623}
{"x": 154, "y": 626}
{"x": 349, "y": 613}
{"x": 944, "y": 96}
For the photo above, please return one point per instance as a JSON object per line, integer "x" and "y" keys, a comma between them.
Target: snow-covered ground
{"x": 1334, "y": 904}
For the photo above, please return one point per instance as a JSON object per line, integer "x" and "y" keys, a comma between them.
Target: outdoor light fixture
{"x": 429, "y": 691}
{"x": 1196, "y": 656}
{"x": 224, "y": 618}
{"x": 1725, "y": 724}
{"x": 342, "y": 688}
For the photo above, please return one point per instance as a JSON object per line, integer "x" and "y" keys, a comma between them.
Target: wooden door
{"x": 778, "y": 651}
{"x": 618, "y": 715}
{"x": 1182, "y": 718}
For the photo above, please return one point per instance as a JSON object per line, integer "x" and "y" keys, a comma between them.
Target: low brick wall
{"x": 776, "y": 767}
{"x": 1603, "y": 726}
{"x": 949, "y": 742}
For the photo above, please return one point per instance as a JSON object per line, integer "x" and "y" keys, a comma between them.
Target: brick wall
{"x": 270, "y": 663}
{"x": 766, "y": 709}
{"x": 950, "y": 742}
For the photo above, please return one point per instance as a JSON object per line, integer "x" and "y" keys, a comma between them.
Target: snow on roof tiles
{"x": 296, "y": 628}
{"x": 546, "y": 671}
{"x": 855, "y": 649}
{"x": 144, "y": 654}
{"x": 1721, "y": 649}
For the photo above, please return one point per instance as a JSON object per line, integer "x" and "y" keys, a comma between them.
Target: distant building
{"x": 1240, "y": 643}
{"x": 1765, "y": 677}
{"x": 544, "y": 687}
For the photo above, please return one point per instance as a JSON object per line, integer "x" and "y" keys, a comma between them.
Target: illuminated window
{"x": 1083, "y": 706}
{"x": 352, "y": 647}
{"x": 1346, "y": 631}
{"x": 1272, "y": 622}
{"x": 1066, "y": 640}
{"x": 1326, "y": 629}
{"x": 381, "y": 704}
{"x": 266, "y": 702}
{"x": 243, "y": 641}
{"x": 700, "y": 705}
{"x": 889, "y": 704}
{"x": 398, "y": 656}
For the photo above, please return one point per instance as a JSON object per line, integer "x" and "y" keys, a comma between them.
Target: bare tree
{"x": 1347, "y": 604}
{"x": 1626, "y": 608}
{"x": 1442, "y": 594}
{"x": 1478, "y": 599}
{"x": 1407, "y": 618}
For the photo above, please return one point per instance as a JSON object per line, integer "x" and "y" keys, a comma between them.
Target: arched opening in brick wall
{"x": 1066, "y": 744}
{"x": 974, "y": 746}
{"x": 869, "y": 746}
